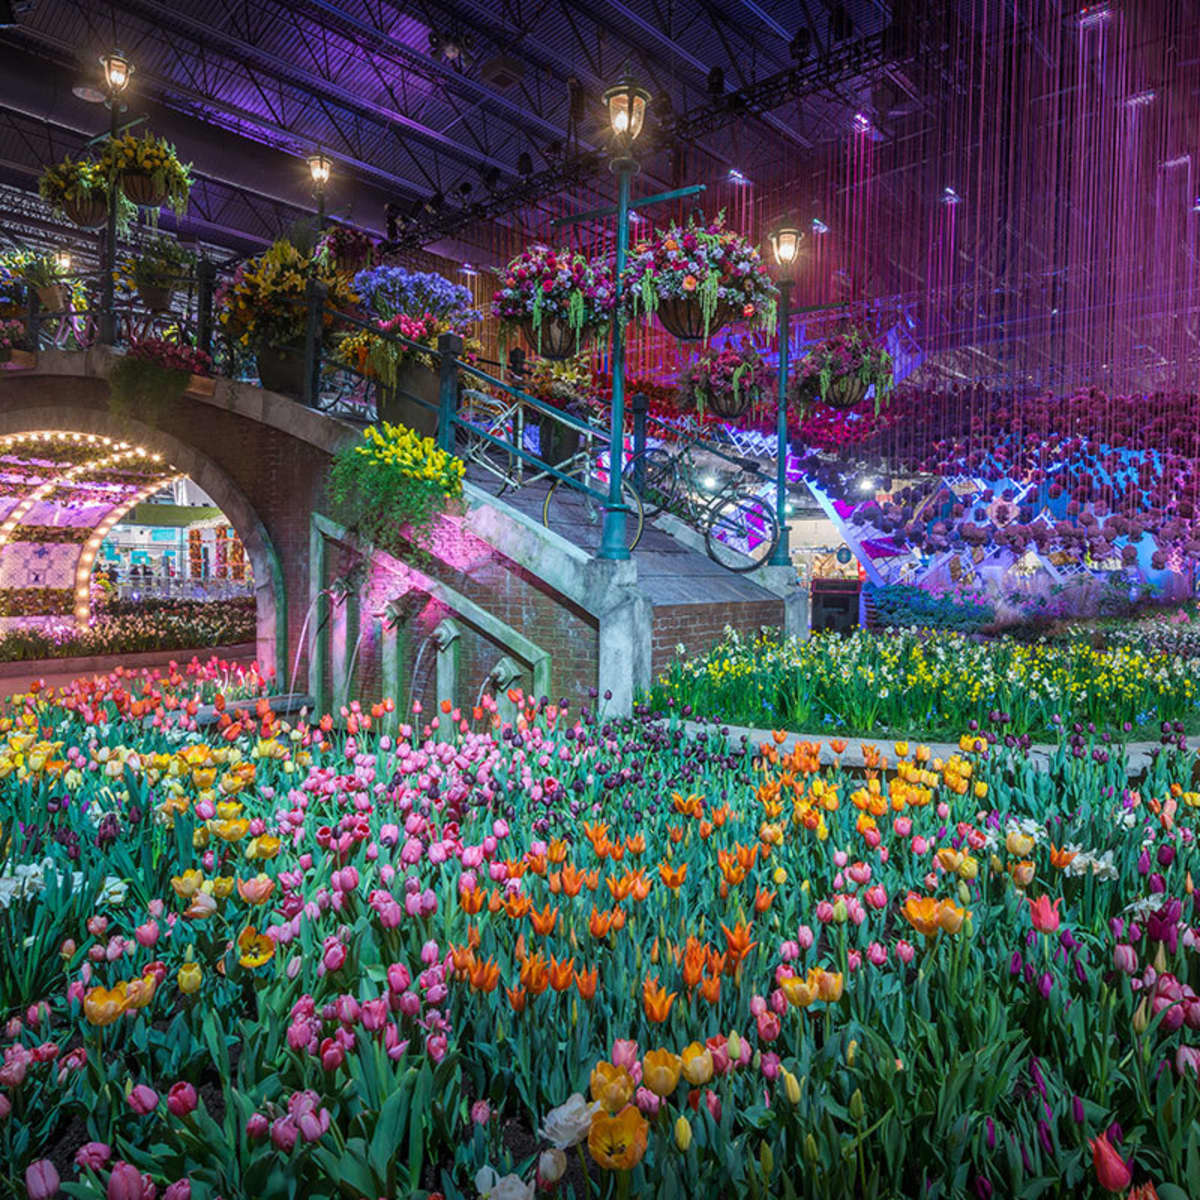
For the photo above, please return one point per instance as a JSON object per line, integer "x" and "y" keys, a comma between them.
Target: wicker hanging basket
{"x": 846, "y": 391}
{"x": 157, "y": 298}
{"x": 554, "y": 338}
{"x": 88, "y": 212}
{"x": 725, "y": 404}
{"x": 684, "y": 318}
{"x": 142, "y": 189}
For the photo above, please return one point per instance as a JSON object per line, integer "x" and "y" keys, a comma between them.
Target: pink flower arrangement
{"x": 542, "y": 283}
{"x": 171, "y": 356}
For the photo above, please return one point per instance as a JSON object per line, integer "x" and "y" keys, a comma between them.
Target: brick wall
{"x": 697, "y": 626}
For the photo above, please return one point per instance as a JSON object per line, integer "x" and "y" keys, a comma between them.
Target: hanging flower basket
{"x": 726, "y": 404}
{"x": 556, "y": 298}
{"x": 683, "y": 318}
{"x": 156, "y": 298}
{"x": 87, "y": 211}
{"x": 53, "y": 298}
{"x": 724, "y": 383}
{"x": 281, "y": 369}
{"x": 142, "y": 189}
{"x": 555, "y": 339}
{"x": 846, "y": 391}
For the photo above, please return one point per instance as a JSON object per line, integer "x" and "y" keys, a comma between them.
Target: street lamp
{"x": 626, "y": 106}
{"x": 785, "y": 242}
{"x": 320, "y": 168}
{"x": 117, "y": 70}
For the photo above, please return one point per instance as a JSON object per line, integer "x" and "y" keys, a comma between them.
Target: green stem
{"x": 587, "y": 1179}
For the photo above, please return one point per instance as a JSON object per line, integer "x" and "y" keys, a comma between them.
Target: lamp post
{"x": 117, "y": 70}
{"x": 320, "y": 168}
{"x": 785, "y": 246}
{"x": 626, "y": 105}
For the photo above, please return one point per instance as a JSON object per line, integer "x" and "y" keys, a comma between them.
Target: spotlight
{"x": 866, "y": 485}
{"x": 524, "y": 163}
{"x": 799, "y": 45}
{"x": 819, "y": 226}
{"x": 716, "y": 82}
{"x": 950, "y": 196}
{"x": 735, "y": 176}
{"x": 467, "y": 269}
{"x": 1141, "y": 99}
{"x": 862, "y": 123}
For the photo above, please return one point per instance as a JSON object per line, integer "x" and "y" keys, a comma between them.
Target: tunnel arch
{"x": 65, "y": 417}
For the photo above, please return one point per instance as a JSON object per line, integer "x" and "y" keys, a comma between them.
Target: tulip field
{"x": 562, "y": 954}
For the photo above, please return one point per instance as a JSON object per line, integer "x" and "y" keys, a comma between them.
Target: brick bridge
{"x": 500, "y": 602}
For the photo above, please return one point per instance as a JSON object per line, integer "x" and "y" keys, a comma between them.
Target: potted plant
{"x": 420, "y": 306}
{"x": 14, "y": 291}
{"x": 12, "y": 338}
{"x": 153, "y": 375}
{"x": 263, "y": 309}
{"x": 696, "y": 278}
{"x": 158, "y": 268}
{"x": 392, "y": 482}
{"x": 42, "y": 273}
{"x": 556, "y": 298}
{"x": 346, "y": 249}
{"x": 845, "y": 366}
{"x": 566, "y": 385}
{"x": 726, "y": 381}
{"x": 78, "y": 190}
{"x": 148, "y": 171}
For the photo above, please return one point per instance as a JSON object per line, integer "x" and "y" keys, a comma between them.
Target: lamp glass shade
{"x": 320, "y": 168}
{"x": 785, "y": 244}
{"x": 626, "y": 105}
{"x": 62, "y": 261}
{"x": 117, "y": 70}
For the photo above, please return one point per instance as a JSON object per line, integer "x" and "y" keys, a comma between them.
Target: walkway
{"x": 1138, "y": 754}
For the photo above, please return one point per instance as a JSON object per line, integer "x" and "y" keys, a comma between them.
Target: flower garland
{"x": 709, "y": 264}
{"x": 541, "y": 284}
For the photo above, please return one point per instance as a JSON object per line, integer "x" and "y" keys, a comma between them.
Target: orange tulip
{"x": 557, "y": 850}
{"x": 586, "y": 982}
{"x": 921, "y": 912}
{"x": 257, "y": 890}
{"x": 762, "y": 899}
{"x": 710, "y": 989}
{"x": 462, "y": 958}
{"x": 660, "y": 1071}
{"x": 535, "y": 974}
{"x": 102, "y": 1006}
{"x": 617, "y": 1143}
{"x": 612, "y": 1086}
{"x": 561, "y": 973}
{"x": 951, "y": 917}
{"x": 1061, "y": 858}
{"x": 656, "y": 1000}
{"x": 694, "y": 960}
{"x": 485, "y": 976}
{"x": 517, "y": 998}
{"x": 673, "y": 877}
{"x": 572, "y": 879}
{"x": 543, "y": 922}
{"x": 829, "y": 986}
{"x": 471, "y": 902}
{"x": 619, "y": 888}
{"x": 636, "y": 845}
{"x": 517, "y": 905}
{"x": 737, "y": 943}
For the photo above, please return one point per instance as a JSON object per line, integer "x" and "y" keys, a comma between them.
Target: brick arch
{"x": 270, "y": 593}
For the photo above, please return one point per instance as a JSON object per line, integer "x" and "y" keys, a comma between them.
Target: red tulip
{"x": 1112, "y": 1172}
{"x": 1044, "y": 914}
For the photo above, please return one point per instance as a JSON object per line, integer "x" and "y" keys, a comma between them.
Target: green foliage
{"x": 143, "y": 390}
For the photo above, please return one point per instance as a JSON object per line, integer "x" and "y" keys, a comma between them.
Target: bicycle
{"x": 741, "y": 529}
{"x": 569, "y": 504}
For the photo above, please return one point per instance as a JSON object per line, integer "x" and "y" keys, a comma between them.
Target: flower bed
{"x": 277, "y": 960}
{"x": 915, "y": 682}
{"x": 128, "y": 628}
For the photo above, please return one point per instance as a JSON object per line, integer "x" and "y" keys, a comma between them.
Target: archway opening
{"x": 108, "y": 548}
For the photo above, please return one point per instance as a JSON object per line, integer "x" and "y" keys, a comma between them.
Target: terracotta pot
{"x": 91, "y": 212}
{"x": 157, "y": 298}
{"x": 557, "y": 442}
{"x": 845, "y": 391}
{"x": 53, "y": 298}
{"x": 281, "y": 369}
{"x": 413, "y": 401}
{"x": 200, "y": 385}
{"x": 141, "y": 189}
{"x": 684, "y": 319}
{"x": 555, "y": 339}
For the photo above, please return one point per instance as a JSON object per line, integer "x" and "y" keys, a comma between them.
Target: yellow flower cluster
{"x": 406, "y": 451}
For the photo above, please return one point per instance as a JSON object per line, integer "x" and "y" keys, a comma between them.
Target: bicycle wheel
{"x": 654, "y": 476}
{"x": 579, "y": 517}
{"x": 741, "y": 531}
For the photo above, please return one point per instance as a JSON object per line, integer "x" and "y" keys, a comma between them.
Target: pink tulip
{"x": 143, "y": 1099}
{"x": 93, "y": 1155}
{"x": 181, "y": 1099}
{"x": 905, "y": 951}
{"x": 284, "y": 1134}
{"x": 625, "y": 1054}
{"x": 257, "y": 1127}
{"x": 128, "y": 1183}
{"x": 181, "y": 1189}
{"x": 41, "y": 1180}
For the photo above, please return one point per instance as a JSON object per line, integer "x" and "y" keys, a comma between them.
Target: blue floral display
{"x": 390, "y": 291}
